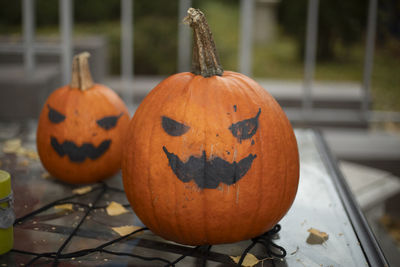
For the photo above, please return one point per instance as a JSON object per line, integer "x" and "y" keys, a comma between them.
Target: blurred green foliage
{"x": 155, "y": 34}
{"x": 338, "y": 21}
{"x": 155, "y": 28}
{"x": 223, "y": 20}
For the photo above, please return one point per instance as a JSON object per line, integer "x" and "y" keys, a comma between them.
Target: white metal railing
{"x": 246, "y": 36}
{"x": 29, "y": 47}
{"x": 66, "y": 31}
{"x": 369, "y": 55}
{"x": 127, "y": 47}
{"x": 245, "y": 55}
{"x": 310, "y": 53}
{"x": 28, "y": 19}
{"x": 184, "y": 40}
{"x": 309, "y": 63}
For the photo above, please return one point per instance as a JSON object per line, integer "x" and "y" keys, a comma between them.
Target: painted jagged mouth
{"x": 208, "y": 173}
{"x": 79, "y": 153}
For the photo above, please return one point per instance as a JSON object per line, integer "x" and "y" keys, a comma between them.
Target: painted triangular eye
{"x": 55, "y": 116}
{"x": 108, "y": 122}
{"x": 173, "y": 127}
{"x": 245, "y": 129}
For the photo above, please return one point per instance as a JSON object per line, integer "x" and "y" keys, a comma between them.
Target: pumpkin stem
{"x": 81, "y": 77}
{"x": 205, "y": 61}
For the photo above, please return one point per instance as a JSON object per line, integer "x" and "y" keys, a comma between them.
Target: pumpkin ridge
{"x": 283, "y": 124}
{"x": 246, "y": 90}
{"x": 282, "y": 195}
{"x": 63, "y": 93}
{"x": 204, "y": 192}
{"x": 227, "y": 87}
{"x": 261, "y": 178}
{"x": 291, "y": 137}
{"x": 179, "y": 219}
{"x": 149, "y": 176}
{"x": 283, "y": 205}
{"x": 277, "y": 200}
{"x": 285, "y": 141}
{"x": 233, "y": 118}
{"x": 233, "y": 227}
{"x": 189, "y": 88}
{"x": 164, "y": 95}
{"x": 109, "y": 96}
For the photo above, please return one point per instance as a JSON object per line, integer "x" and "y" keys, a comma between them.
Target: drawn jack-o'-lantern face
{"x": 81, "y": 128}
{"x": 80, "y": 134}
{"x": 201, "y": 150}
{"x": 210, "y": 156}
{"x": 75, "y": 152}
{"x": 210, "y": 172}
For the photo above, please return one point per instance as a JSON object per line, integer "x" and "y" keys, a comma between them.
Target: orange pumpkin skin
{"x": 82, "y": 109}
{"x": 184, "y": 212}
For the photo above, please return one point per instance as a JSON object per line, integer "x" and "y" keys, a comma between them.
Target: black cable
{"x": 135, "y": 256}
{"x": 182, "y": 257}
{"x": 44, "y": 208}
{"x": 80, "y": 253}
{"x": 264, "y": 239}
{"x": 78, "y": 226}
{"x": 205, "y": 256}
{"x": 245, "y": 252}
{"x": 85, "y": 252}
{"x": 50, "y": 205}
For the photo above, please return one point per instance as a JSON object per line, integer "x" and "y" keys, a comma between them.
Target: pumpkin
{"x": 210, "y": 156}
{"x": 81, "y": 129}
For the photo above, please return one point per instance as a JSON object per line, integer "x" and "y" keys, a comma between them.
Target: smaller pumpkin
{"x": 81, "y": 128}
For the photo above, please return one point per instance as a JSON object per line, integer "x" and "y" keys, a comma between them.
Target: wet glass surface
{"x": 317, "y": 205}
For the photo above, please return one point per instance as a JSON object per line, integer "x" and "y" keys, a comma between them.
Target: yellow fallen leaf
{"x": 64, "y": 207}
{"x": 24, "y": 163}
{"x": 15, "y": 146}
{"x": 115, "y": 209}
{"x": 392, "y": 226}
{"x": 45, "y": 175}
{"x": 20, "y": 151}
{"x": 82, "y": 190}
{"x": 12, "y": 145}
{"x": 127, "y": 229}
{"x": 250, "y": 260}
{"x": 316, "y": 236}
{"x": 32, "y": 154}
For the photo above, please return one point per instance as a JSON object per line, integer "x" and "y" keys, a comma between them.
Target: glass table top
{"x": 317, "y": 205}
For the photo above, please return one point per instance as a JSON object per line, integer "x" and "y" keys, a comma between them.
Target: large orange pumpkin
{"x": 81, "y": 129}
{"x": 210, "y": 157}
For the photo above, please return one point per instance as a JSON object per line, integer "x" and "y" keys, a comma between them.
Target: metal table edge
{"x": 366, "y": 237}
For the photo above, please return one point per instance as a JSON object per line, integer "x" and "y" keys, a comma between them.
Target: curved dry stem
{"x": 205, "y": 59}
{"x": 81, "y": 77}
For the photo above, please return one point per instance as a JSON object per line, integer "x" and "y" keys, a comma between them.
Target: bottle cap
{"x": 6, "y": 213}
{"x": 5, "y": 184}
